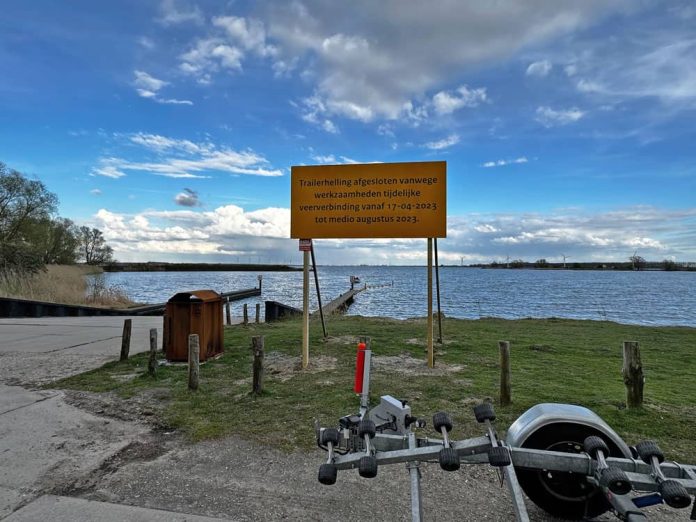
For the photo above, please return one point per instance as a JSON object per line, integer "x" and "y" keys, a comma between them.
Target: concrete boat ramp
{"x": 44, "y": 441}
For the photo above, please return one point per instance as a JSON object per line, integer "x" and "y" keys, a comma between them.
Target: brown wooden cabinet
{"x": 195, "y": 312}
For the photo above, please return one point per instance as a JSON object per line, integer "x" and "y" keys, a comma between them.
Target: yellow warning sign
{"x": 391, "y": 200}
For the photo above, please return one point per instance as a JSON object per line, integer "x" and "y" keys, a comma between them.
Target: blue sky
{"x": 568, "y": 127}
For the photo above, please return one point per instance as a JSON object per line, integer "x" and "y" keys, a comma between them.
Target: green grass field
{"x": 553, "y": 360}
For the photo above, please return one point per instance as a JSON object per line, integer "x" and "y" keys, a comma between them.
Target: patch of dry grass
{"x": 66, "y": 284}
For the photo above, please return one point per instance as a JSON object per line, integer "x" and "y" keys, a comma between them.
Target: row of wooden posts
{"x": 632, "y": 372}
{"x": 245, "y": 313}
{"x": 632, "y": 369}
{"x": 194, "y": 351}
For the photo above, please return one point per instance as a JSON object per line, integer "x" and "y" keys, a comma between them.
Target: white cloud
{"x": 331, "y": 159}
{"x": 375, "y": 70}
{"x": 95, "y": 192}
{"x": 107, "y": 169}
{"x": 446, "y": 102}
{"x": 186, "y": 159}
{"x": 187, "y": 198}
{"x": 503, "y": 163}
{"x": 444, "y": 143}
{"x": 148, "y": 87}
{"x": 541, "y": 68}
{"x": 173, "y": 12}
{"x": 249, "y": 34}
{"x": 608, "y": 236}
{"x": 223, "y": 230}
{"x": 549, "y": 117}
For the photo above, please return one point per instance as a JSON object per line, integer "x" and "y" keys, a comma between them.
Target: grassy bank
{"x": 553, "y": 360}
{"x": 65, "y": 284}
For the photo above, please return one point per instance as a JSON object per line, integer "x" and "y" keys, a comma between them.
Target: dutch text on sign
{"x": 394, "y": 200}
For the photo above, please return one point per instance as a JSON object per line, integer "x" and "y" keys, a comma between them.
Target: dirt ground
{"x": 237, "y": 479}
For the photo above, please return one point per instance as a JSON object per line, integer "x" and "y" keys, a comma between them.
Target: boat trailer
{"x": 564, "y": 457}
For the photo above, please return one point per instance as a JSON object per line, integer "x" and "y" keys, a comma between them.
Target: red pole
{"x": 359, "y": 368}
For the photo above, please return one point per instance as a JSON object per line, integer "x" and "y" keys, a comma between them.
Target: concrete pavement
{"x": 42, "y": 350}
{"x": 44, "y": 442}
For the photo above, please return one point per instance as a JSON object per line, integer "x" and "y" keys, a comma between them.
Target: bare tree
{"x": 93, "y": 248}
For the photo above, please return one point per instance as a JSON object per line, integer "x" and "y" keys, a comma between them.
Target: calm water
{"x": 653, "y": 298}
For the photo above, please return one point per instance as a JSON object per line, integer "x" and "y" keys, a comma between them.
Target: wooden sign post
{"x": 373, "y": 200}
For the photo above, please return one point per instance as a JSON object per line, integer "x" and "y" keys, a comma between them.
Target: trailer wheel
{"x": 327, "y": 474}
{"x": 563, "y": 494}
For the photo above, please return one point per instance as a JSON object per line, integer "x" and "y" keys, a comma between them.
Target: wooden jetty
{"x": 276, "y": 311}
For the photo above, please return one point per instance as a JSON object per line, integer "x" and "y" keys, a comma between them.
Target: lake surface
{"x": 649, "y": 298}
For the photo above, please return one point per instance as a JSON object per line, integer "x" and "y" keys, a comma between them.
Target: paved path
{"x": 45, "y": 442}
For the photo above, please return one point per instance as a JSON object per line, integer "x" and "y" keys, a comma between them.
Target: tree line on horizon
{"x": 634, "y": 262}
{"x": 33, "y": 235}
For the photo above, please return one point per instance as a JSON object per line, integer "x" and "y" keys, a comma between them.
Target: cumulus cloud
{"x": 225, "y": 230}
{"x": 541, "y": 68}
{"x": 95, "y": 192}
{"x": 173, "y": 12}
{"x": 228, "y": 230}
{"x": 446, "y": 102}
{"x": 187, "y": 198}
{"x": 444, "y": 143}
{"x": 148, "y": 86}
{"x": 225, "y": 47}
{"x": 381, "y": 69}
{"x": 549, "y": 117}
{"x": 178, "y": 158}
{"x": 503, "y": 162}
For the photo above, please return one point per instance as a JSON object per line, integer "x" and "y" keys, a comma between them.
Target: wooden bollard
{"x": 125, "y": 339}
{"x": 258, "y": 313}
{"x": 633, "y": 374}
{"x": 505, "y": 373}
{"x": 257, "y": 379}
{"x": 228, "y": 312}
{"x": 246, "y": 314}
{"x": 194, "y": 351}
{"x": 152, "y": 361}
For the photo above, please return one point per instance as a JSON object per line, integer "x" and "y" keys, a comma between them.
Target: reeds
{"x": 68, "y": 284}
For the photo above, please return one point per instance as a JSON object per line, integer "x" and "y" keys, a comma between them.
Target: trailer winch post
{"x": 365, "y": 390}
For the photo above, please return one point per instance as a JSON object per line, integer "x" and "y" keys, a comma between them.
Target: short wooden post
{"x": 257, "y": 380}
{"x": 260, "y": 278}
{"x": 505, "y": 373}
{"x": 152, "y": 361}
{"x": 633, "y": 374}
{"x": 194, "y": 352}
{"x": 258, "y": 313}
{"x": 125, "y": 339}
{"x": 228, "y": 312}
{"x": 246, "y": 314}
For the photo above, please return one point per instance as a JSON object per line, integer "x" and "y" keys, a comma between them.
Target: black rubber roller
{"x": 367, "y": 467}
{"x": 366, "y": 427}
{"x": 648, "y": 449}
{"x": 484, "y": 411}
{"x": 449, "y": 459}
{"x": 327, "y": 474}
{"x": 616, "y": 480}
{"x": 499, "y": 456}
{"x": 442, "y": 420}
{"x": 674, "y": 494}
{"x": 330, "y": 435}
{"x": 593, "y": 444}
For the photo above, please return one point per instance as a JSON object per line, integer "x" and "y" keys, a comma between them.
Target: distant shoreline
{"x": 196, "y": 267}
